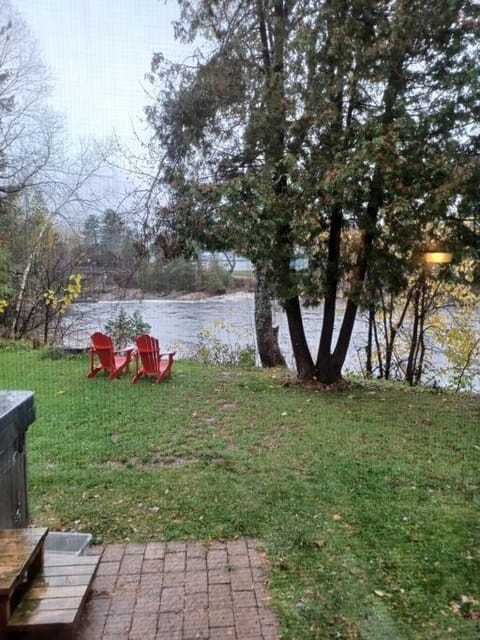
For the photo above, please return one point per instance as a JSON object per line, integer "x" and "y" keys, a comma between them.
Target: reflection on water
{"x": 177, "y": 324}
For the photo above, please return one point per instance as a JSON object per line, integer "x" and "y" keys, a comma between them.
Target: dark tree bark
{"x": 325, "y": 369}
{"x": 301, "y": 352}
{"x": 267, "y": 334}
{"x": 274, "y": 146}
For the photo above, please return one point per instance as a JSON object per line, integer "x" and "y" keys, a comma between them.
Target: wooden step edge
{"x": 23, "y": 555}
{"x": 59, "y": 560}
{"x": 26, "y": 532}
{"x": 49, "y": 610}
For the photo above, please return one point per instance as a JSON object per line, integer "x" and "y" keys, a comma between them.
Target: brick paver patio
{"x": 180, "y": 591}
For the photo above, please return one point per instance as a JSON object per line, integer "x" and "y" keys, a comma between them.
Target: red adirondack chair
{"x": 149, "y": 359}
{"x": 103, "y": 351}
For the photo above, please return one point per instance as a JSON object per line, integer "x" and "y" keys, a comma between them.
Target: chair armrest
{"x": 127, "y": 351}
{"x": 169, "y": 354}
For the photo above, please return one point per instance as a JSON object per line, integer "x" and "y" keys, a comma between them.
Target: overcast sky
{"x": 98, "y": 52}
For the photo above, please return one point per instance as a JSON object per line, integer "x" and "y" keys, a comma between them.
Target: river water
{"x": 230, "y": 318}
{"x": 178, "y": 322}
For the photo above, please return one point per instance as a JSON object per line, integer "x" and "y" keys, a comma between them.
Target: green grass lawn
{"x": 366, "y": 500}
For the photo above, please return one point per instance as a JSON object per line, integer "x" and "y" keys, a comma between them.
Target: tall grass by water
{"x": 365, "y": 499}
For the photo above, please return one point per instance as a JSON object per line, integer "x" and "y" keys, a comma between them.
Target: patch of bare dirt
{"x": 316, "y": 385}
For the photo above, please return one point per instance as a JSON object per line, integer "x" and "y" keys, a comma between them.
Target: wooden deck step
{"x": 21, "y": 556}
{"x": 53, "y": 603}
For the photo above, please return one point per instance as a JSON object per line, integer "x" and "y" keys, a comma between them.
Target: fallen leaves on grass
{"x": 467, "y": 607}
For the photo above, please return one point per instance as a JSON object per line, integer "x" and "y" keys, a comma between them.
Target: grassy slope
{"x": 366, "y": 500}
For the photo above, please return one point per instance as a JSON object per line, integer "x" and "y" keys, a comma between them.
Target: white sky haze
{"x": 98, "y": 52}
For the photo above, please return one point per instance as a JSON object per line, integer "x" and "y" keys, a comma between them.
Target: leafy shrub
{"x": 123, "y": 328}
{"x": 212, "y": 349}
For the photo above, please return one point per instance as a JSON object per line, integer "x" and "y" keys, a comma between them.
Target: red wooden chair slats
{"x": 103, "y": 357}
{"x": 149, "y": 359}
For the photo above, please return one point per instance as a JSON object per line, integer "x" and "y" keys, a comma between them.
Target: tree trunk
{"x": 416, "y": 351}
{"x": 301, "y": 352}
{"x": 325, "y": 370}
{"x": 328, "y": 370}
{"x": 267, "y": 334}
{"x": 46, "y": 324}
{"x": 331, "y": 285}
{"x": 24, "y": 282}
{"x": 369, "y": 347}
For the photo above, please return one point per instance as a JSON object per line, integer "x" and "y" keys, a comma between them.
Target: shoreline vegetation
{"x": 112, "y": 293}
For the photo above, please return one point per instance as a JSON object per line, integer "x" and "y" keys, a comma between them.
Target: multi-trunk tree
{"x": 304, "y": 125}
